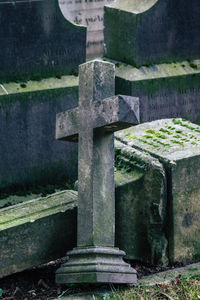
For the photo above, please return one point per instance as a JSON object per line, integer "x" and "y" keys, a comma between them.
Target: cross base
{"x": 96, "y": 265}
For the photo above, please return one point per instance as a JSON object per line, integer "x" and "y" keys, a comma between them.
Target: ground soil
{"x": 39, "y": 283}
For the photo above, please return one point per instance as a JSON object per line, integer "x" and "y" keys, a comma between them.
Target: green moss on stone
{"x": 37, "y": 208}
{"x": 44, "y": 84}
{"x": 159, "y": 71}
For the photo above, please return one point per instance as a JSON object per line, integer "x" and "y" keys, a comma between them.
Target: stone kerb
{"x": 149, "y": 32}
{"x": 37, "y": 41}
{"x": 29, "y": 231}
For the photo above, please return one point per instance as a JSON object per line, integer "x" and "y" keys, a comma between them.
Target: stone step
{"x": 37, "y": 231}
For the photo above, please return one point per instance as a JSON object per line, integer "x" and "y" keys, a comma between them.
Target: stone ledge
{"x": 29, "y": 231}
{"x": 168, "y": 276}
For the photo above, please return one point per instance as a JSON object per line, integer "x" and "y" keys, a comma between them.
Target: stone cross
{"x": 92, "y": 124}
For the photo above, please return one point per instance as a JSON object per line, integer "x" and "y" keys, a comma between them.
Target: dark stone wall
{"x": 29, "y": 152}
{"x": 37, "y": 41}
{"x": 166, "y": 32}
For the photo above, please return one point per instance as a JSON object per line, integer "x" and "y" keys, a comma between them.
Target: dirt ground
{"x": 39, "y": 283}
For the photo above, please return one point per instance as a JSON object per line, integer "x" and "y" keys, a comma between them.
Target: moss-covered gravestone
{"x": 39, "y": 57}
{"x": 155, "y": 45}
{"x": 99, "y": 115}
{"x": 172, "y": 215}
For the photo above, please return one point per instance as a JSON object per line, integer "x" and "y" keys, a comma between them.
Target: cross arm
{"x": 67, "y": 125}
{"x": 115, "y": 113}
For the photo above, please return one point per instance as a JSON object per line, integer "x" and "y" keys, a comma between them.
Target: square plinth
{"x": 96, "y": 265}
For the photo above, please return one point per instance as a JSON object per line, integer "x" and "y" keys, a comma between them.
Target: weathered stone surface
{"x": 176, "y": 143}
{"x": 160, "y": 39}
{"x": 36, "y": 232}
{"x": 165, "y": 91}
{"x": 89, "y": 13}
{"x": 95, "y": 259}
{"x": 141, "y": 203}
{"x": 37, "y": 41}
{"x": 158, "y": 278}
{"x": 141, "y": 32}
{"x": 29, "y": 153}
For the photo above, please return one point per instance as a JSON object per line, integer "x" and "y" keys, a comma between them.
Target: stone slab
{"x": 165, "y": 90}
{"x": 37, "y": 41}
{"x": 158, "y": 278}
{"x": 29, "y": 231}
{"x": 91, "y": 14}
{"x": 168, "y": 276}
{"x": 29, "y": 152}
{"x": 176, "y": 144}
{"x": 140, "y": 32}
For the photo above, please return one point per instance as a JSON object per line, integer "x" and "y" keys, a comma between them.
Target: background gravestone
{"x": 37, "y": 41}
{"x": 30, "y": 154}
{"x": 156, "y": 31}
{"x": 89, "y": 13}
{"x": 159, "y": 40}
